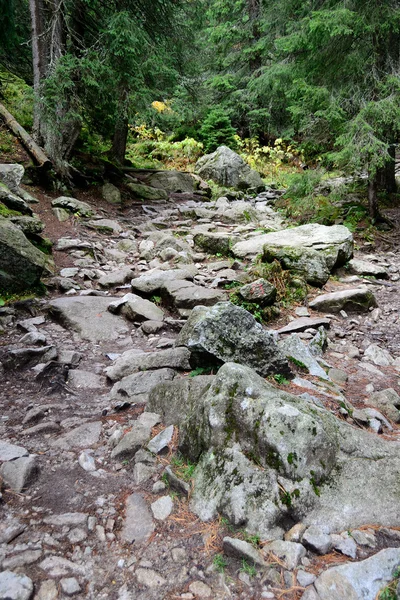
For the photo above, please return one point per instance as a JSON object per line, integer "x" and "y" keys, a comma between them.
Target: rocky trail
{"x": 142, "y": 362}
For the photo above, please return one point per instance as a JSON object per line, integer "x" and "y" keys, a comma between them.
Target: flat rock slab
{"x": 74, "y": 206}
{"x": 138, "y": 523}
{"x": 15, "y": 587}
{"x": 136, "y": 387}
{"x": 153, "y": 281}
{"x": 359, "y": 299}
{"x": 364, "y": 267}
{"x": 185, "y": 294}
{"x": 89, "y": 317}
{"x": 84, "y": 436}
{"x": 132, "y": 361}
{"x": 335, "y": 242}
{"x": 135, "y": 308}
{"x": 305, "y": 323}
{"x": 11, "y": 451}
{"x": 364, "y": 579}
{"x": 20, "y": 473}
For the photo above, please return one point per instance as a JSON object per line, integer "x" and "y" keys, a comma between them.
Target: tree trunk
{"x": 39, "y": 60}
{"x": 387, "y": 175}
{"x": 373, "y": 197}
{"x": 120, "y": 137}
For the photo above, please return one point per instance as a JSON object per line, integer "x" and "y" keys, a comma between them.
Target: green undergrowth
{"x": 8, "y": 212}
{"x": 183, "y": 468}
{"x": 8, "y": 298}
{"x": 390, "y": 591}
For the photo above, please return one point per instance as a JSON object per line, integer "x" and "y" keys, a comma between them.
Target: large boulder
{"x": 11, "y": 175}
{"x": 228, "y": 333}
{"x": 268, "y": 459}
{"x": 172, "y": 181}
{"x": 74, "y": 206}
{"x": 305, "y": 262}
{"x": 334, "y": 243}
{"x": 13, "y": 201}
{"x": 359, "y": 299}
{"x": 147, "y": 192}
{"x": 227, "y": 168}
{"x": 21, "y": 263}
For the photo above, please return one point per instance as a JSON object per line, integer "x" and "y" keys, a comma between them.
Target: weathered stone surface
{"x": 14, "y": 586}
{"x": 154, "y": 280}
{"x": 298, "y": 353}
{"x": 47, "y": 591}
{"x": 135, "y": 308}
{"x": 259, "y": 291}
{"x": 335, "y": 243}
{"x": 56, "y": 566}
{"x": 344, "y": 544}
{"x": 89, "y": 317}
{"x": 111, "y": 194}
{"x": 11, "y": 451}
{"x": 84, "y": 436}
{"x": 21, "y": 263}
{"x": 305, "y": 262}
{"x": 214, "y": 243}
{"x": 242, "y": 550}
{"x": 137, "y": 387}
{"x": 109, "y": 226}
{"x": 354, "y": 300}
{"x": 21, "y": 473}
{"x": 79, "y": 379}
{"x": 21, "y": 559}
{"x": 131, "y": 442}
{"x": 11, "y": 175}
{"x": 388, "y": 402}
{"x": 146, "y": 192}
{"x": 334, "y": 475}
{"x": 14, "y": 201}
{"x": 132, "y": 361}
{"x": 70, "y": 586}
{"x": 159, "y": 442}
{"x": 172, "y": 181}
{"x": 364, "y": 267}
{"x": 227, "y": 168}
{"x": 66, "y": 519}
{"x": 162, "y": 508}
{"x": 305, "y": 323}
{"x": 227, "y": 333}
{"x": 290, "y": 552}
{"x": 29, "y": 225}
{"x": 74, "y": 206}
{"x": 378, "y": 356}
{"x": 138, "y": 524}
{"x": 353, "y": 581}
{"x": 150, "y": 578}
{"x": 187, "y": 295}
{"x": 318, "y": 541}
{"x": 114, "y": 278}
{"x": 200, "y": 589}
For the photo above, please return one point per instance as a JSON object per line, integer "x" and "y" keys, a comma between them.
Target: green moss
{"x": 7, "y": 212}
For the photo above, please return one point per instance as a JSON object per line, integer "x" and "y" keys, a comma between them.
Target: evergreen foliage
{"x": 217, "y": 130}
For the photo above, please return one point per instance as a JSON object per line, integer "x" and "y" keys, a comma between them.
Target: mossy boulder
{"x": 227, "y": 168}
{"x": 305, "y": 262}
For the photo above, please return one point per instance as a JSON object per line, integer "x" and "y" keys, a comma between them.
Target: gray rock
{"x": 47, "y": 591}
{"x": 298, "y": 353}
{"x": 318, "y": 344}
{"x": 226, "y": 333}
{"x": 364, "y": 538}
{"x": 56, "y": 566}
{"x": 242, "y": 550}
{"x": 356, "y": 580}
{"x": 23, "y": 558}
{"x": 108, "y": 226}
{"x": 10, "y": 528}
{"x": 146, "y": 192}
{"x": 11, "y": 451}
{"x": 66, "y": 519}
{"x": 21, "y": 263}
{"x": 354, "y": 300}
{"x": 259, "y": 291}
{"x": 142, "y": 472}
{"x": 378, "y": 356}
{"x": 75, "y": 206}
{"x": 161, "y": 440}
{"x": 364, "y": 267}
{"x": 89, "y": 317}
{"x": 87, "y": 462}
{"x": 111, "y": 194}
{"x": 153, "y": 281}
{"x": 307, "y": 263}
{"x": 13, "y": 201}
{"x": 200, "y": 589}
{"x": 61, "y": 214}
{"x": 187, "y": 295}
{"x": 227, "y": 168}
{"x": 335, "y": 242}
{"x": 310, "y": 594}
{"x": 24, "y": 357}
{"x": 131, "y": 442}
{"x": 214, "y": 243}
{"x": 70, "y": 586}
{"x": 150, "y": 578}
{"x": 135, "y": 308}
{"x": 84, "y": 436}
{"x": 138, "y": 523}
{"x": 162, "y": 508}
{"x": 29, "y": 225}
{"x": 305, "y": 323}
{"x": 116, "y": 278}
{"x": 344, "y": 544}
{"x": 132, "y": 361}
{"x": 137, "y": 387}
{"x": 388, "y": 402}
{"x": 21, "y": 473}
{"x": 304, "y": 579}
{"x": 338, "y": 376}
{"x": 318, "y": 541}
{"x": 33, "y": 337}
{"x": 41, "y": 428}
{"x": 172, "y": 181}
{"x": 178, "y": 485}
{"x": 11, "y": 175}
{"x": 290, "y": 552}
{"x": 14, "y": 586}
{"x": 86, "y": 380}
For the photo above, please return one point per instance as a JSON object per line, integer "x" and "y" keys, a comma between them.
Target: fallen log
{"x": 31, "y": 146}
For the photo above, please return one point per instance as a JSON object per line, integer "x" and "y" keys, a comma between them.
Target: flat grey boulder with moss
{"x": 172, "y": 182}
{"x": 334, "y": 243}
{"x": 228, "y": 333}
{"x": 227, "y": 168}
{"x": 146, "y": 192}
{"x": 74, "y": 206}
{"x": 357, "y": 300}
{"x": 268, "y": 459}
{"x": 21, "y": 263}
{"x": 307, "y": 263}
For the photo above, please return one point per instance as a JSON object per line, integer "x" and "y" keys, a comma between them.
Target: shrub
{"x": 217, "y": 130}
